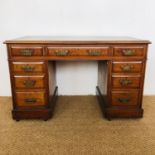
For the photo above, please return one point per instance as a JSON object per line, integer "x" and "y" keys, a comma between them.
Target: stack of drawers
{"x": 127, "y": 78}
{"x": 29, "y": 82}
{"x": 29, "y": 79}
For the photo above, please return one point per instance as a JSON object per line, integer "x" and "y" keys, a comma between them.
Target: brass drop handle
{"x": 26, "y": 52}
{"x": 30, "y": 100}
{"x": 126, "y": 68}
{"x": 128, "y": 52}
{"x": 27, "y": 68}
{"x": 29, "y": 83}
{"x": 124, "y": 100}
{"x": 125, "y": 82}
{"x": 94, "y": 52}
{"x": 61, "y": 52}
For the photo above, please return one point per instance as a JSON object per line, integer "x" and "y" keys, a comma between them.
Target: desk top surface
{"x": 76, "y": 39}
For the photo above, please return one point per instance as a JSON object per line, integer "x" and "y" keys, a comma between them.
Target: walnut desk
{"x": 121, "y": 71}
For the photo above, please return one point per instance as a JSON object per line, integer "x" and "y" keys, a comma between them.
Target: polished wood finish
{"x": 30, "y": 98}
{"x": 27, "y": 67}
{"x": 125, "y": 81}
{"x": 29, "y": 82}
{"x": 124, "y": 98}
{"x": 26, "y": 51}
{"x": 129, "y": 51}
{"x": 121, "y": 71}
{"x": 127, "y": 67}
{"x": 78, "y": 51}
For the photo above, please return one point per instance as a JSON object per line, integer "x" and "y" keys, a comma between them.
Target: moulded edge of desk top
{"x": 76, "y": 40}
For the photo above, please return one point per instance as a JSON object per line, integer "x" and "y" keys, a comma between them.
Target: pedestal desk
{"x": 121, "y": 71}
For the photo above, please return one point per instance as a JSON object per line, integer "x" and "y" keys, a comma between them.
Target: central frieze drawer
{"x": 26, "y": 51}
{"x": 73, "y": 51}
{"x": 28, "y": 67}
{"x": 125, "y": 81}
{"x": 29, "y": 82}
{"x": 30, "y": 98}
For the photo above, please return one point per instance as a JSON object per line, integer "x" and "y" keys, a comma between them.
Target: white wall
{"x": 77, "y": 17}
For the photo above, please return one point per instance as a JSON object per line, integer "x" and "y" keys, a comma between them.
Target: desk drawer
{"x": 30, "y": 98}
{"x": 129, "y": 51}
{"x": 127, "y": 67}
{"x": 29, "y": 82}
{"x": 26, "y": 51}
{"x": 125, "y": 82}
{"x": 124, "y": 98}
{"x": 28, "y": 67}
{"x": 64, "y": 51}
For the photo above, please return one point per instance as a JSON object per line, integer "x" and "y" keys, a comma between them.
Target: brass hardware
{"x": 124, "y": 100}
{"x": 29, "y": 83}
{"x": 94, "y": 52}
{"x": 127, "y": 68}
{"x": 26, "y": 52}
{"x": 61, "y": 52}
{"x": 30, "y": 100}
{"x": 128, "y": 52}
{"x": 28, "y": 68}
{"x": 125, "y": 82}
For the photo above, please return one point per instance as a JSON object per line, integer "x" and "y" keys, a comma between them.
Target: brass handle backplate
{"x": 126, "y": 68}
{"x": 26, "y": 52}
{"x": 124, "y": 100}
{"x": 125, "y": 82}
{"x": 29, "y": 83}
{"x": 30, "y": 100}
{"x": 128, "y": 52}
{"x": 94, "y": 52}
{"x": 28, "y": 68}
{"x": 61, "y": 52}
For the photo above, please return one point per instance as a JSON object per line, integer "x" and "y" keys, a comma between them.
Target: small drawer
{"x": 125, "y": 82}
{"x": 29, "y": 82}
{"x": 28, "y": 67}
{"x": 26, "y": 51}
{"x": 125, "y": 98}
{"x": 127, "y": 67}
{"x": 30, "y": 98}
{"x": 129, "y": 51}
{"x": 76, "y": 51}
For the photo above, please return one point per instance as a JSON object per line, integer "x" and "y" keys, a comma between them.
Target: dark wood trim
{"x": 124, "y": 113}
{"x": 102, "y": 102}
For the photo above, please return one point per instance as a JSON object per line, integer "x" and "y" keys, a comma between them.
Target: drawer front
{"x": 125, "y": 98}
{"x": 30, "y": 98}
{"x": 127, "y": 67}
{"x": 26, "y": 51}
{"x": 129, "y": 51}
{"x": 52, "y": 51}
{"x": 125, "y": 82}
{"x": 28, "y": 67}
{"x": 29, "y": 82}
